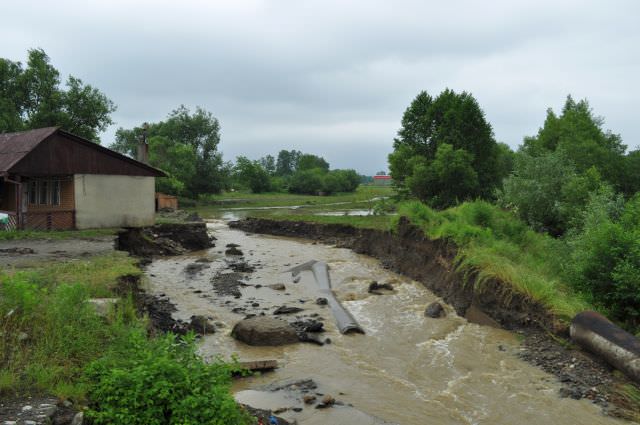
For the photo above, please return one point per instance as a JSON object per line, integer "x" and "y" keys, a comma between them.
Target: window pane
{"x": 33, "y": 192}
{"x": 44, "y": 192}
{"x": 55, "y": 193}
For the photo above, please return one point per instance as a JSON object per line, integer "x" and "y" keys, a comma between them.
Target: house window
{"x": 33, "y": 192}
{"x": 55, "y": 192}
{"x": 43, "y": 191}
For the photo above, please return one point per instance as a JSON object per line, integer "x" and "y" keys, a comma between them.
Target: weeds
{"x": 495, "y": 245}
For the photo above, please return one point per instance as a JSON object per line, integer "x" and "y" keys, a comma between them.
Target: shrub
{"x": 161, "y": 381}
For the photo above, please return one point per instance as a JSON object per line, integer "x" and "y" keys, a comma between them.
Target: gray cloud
{"x": 333, "y": 77}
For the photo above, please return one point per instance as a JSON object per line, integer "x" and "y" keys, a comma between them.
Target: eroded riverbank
{"x": 406, "y": 369}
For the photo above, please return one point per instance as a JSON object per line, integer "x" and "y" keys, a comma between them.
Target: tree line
{"x": 573, "y": 180}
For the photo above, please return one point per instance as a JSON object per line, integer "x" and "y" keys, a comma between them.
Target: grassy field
{"x": 362, "y": 198}
{"x": 55, "y": 234}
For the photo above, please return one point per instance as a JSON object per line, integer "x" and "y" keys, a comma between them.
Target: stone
{"x": 22, "y": 336}
{"x": 308, "y": 399}
{"x": 78, "y": 419}
{"x": 322, "y": 301}
{"x": 287, "y": 310}
{"x": 27, "y": 408}
{"x": 376, "y": 288}
{"x": 201, "y": 325}
{"x": 233, "y": 251}
{"x": 103, "y": 306}
{"x": 277, "y": 286}
{"x": 434, "y": 310}
{"x": 264, "y": 331}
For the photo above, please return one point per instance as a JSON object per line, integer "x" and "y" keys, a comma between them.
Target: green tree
{"x": 455, "y": 120}
{"x": 307, "y": 181}
{"x": 252, "y": 174}
{"x": 547, "y": 192}
{"x": 445, "y": 181}
{"x": 200, "y": 132}
{"x": 268, "y": 162}
{"x": 308, "y": 161}
{"x": 31, "y": 97}
{"x": 604, "y": 258}
{"x": 578, "y": 133}
{"x": 287, "y": 162}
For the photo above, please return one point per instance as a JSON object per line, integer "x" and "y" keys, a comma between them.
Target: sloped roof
{"x": 15, "y": 149}
{"x": 14, "y": 146}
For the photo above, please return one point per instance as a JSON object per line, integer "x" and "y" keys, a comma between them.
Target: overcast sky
{"x": 334, "y": 77}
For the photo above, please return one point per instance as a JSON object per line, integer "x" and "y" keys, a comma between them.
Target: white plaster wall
{"x": 114, "y": 201}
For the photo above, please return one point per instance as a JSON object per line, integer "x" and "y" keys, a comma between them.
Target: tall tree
{"x": 199, "y": 131}
{"x": 287, "y": 162}
{"x": 31, "y": 97}
{"x": 579, "y": 134}
{"x": 455, "y": 120}
{"x": 308, "y": 161}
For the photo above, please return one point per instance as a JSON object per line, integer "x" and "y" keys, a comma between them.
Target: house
{"x": 52, "y": 179}
{"x": 382, "y": 180}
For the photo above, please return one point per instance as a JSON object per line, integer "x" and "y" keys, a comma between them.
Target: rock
{"x": 201, "y": 325}
{"x": 264, "y": 331}
{"x": 376, "y": 288}
{"x": 78, "y": 419}
{"x": 241, "y": 266}
{"x": 287, "y": 310}
{"x": 22, "y": 336}
{"x": 27, "y": 408}
{"x": 103, "y": 306}
{"x": 233, "y": 251}
{"x": 434, "y": 310}
{"x": 322, "y": 301}
{"x": 327, "y": 401}
{"x": 277, "y": 286}
{"x": 17, "y": 250}
{"x": 204, "y": 260}
{"x": 195, "y": 268}
{"x": 309, "y": 399}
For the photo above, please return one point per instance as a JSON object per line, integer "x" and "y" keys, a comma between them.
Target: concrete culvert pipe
{"x": 616, "y": 346}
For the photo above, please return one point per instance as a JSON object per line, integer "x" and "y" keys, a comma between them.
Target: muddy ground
{"x": 30, "y": 252}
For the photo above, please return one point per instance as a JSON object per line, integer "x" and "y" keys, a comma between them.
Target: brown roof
{"x": 52, "y": 150}
{"x": 14, "y": 146}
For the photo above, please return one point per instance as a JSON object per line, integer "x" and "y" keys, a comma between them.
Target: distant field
{"x": 364, "y": 198}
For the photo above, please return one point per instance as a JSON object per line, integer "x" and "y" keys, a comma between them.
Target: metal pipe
{"x": 344, "y": 320}
{"x": 616, "y": 346}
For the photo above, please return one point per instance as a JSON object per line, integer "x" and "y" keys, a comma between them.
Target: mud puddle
{"x": 407, "y": 368}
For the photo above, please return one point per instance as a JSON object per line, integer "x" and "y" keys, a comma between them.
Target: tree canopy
{"x": 184, "y": 137}
{"x": 580, "y": 136}
{"x": 31, "y": 97}
{"x": 454, "y": 120}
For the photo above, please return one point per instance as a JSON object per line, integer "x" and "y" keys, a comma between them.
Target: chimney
{"x": 143, "y": 146}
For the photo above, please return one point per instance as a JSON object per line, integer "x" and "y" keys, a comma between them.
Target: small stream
{"x": 407, "y": 369}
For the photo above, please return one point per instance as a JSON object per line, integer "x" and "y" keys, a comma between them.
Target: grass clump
{"x": 494, "y": 244}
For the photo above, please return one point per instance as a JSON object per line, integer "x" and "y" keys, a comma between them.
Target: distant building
{"x": 382, "y": 180}
{"x": 52, "y": 179}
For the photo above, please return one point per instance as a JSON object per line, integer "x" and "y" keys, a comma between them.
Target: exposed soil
{"x": 164, "y": 239}
{"x": 32, "y": 252}
{"x": 407, "y": 251}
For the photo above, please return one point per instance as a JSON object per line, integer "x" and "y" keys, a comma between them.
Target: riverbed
{"x": 406, "y": 369}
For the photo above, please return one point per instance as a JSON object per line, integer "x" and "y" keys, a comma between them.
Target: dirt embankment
{"x": 407, "y": 251}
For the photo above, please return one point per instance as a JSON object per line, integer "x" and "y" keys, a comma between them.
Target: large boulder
{"x": 264, "y": 331}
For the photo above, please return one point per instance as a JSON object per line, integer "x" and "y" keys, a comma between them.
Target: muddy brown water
{"x": 407, "y": 369}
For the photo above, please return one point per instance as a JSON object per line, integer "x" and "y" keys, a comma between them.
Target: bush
{"x": 161, "y": 381}
{"x": 605, "y": 258}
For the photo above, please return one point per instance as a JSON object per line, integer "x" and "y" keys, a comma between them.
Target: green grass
{"x": 55, "y": 234}
{"x": 48, "y": 330}
{"x": 361, "y": 198}
{"x": 379, "y": 222}
{"x": 494, "y": 244}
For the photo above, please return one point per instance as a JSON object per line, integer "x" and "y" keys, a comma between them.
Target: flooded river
{"x": 407, "y": 369}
